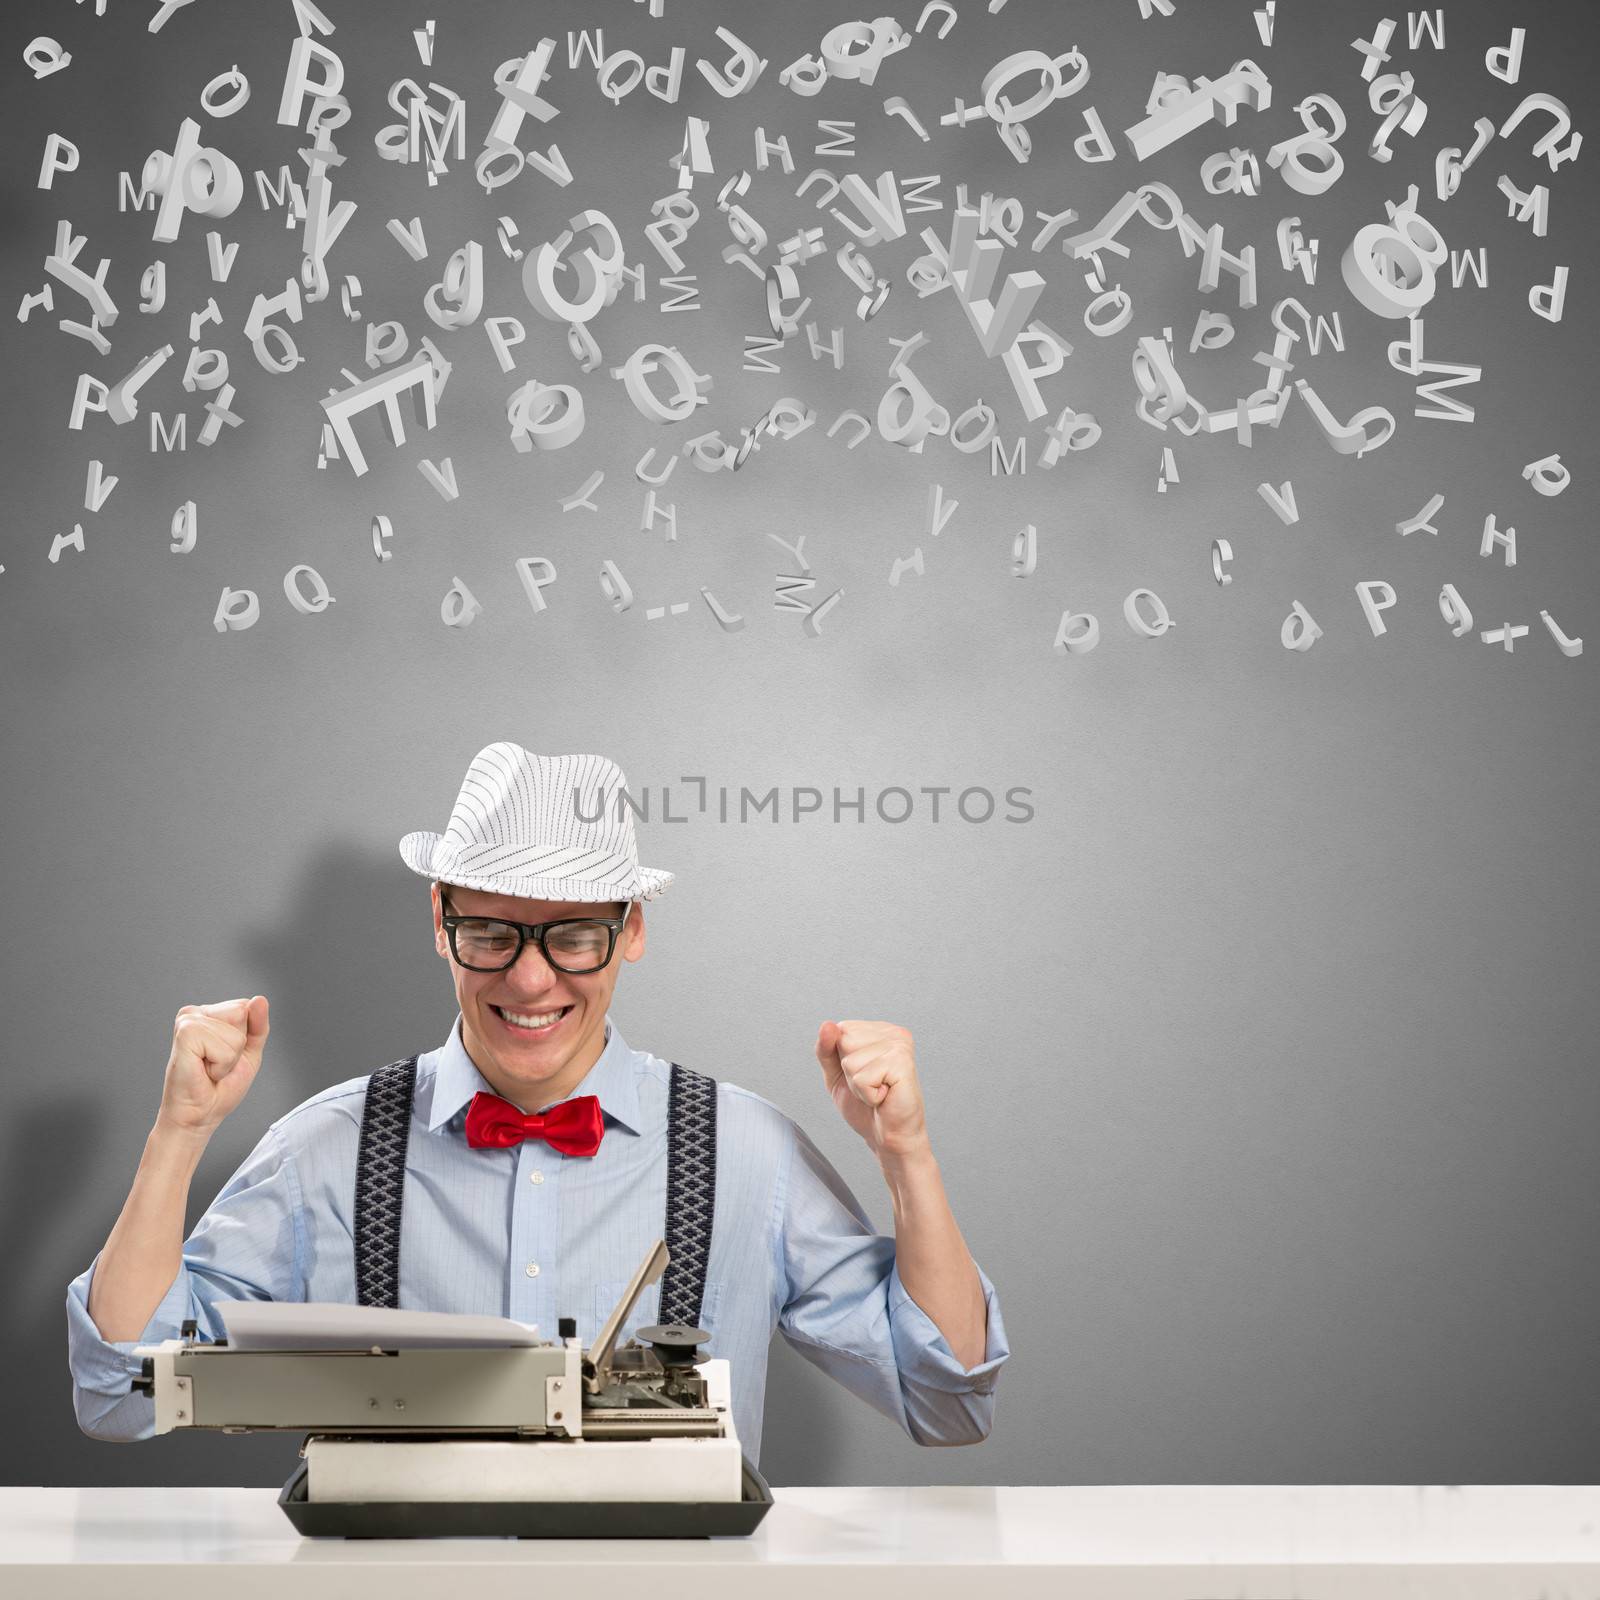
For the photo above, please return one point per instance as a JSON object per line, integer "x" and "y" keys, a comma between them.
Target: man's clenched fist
{"x": 871, "y": 1072}
{"x": 216, "y": 1050}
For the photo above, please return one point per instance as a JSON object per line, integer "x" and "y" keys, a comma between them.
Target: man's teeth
{"x": 541, "y": 1021}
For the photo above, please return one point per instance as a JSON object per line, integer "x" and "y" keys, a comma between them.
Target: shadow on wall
{"x": 354, "y": 982}
{"x": 807, "y": 1420}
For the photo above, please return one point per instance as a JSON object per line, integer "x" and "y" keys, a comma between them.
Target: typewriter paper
{"x": 318, "y": 1325}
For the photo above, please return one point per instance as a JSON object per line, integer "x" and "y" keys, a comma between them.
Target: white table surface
{"x": 1131, "y": 1542}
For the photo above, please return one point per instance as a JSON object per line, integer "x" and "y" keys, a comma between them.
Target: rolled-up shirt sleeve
{"x": 247, "y": 1246}
{"x": 847, "y": 1312}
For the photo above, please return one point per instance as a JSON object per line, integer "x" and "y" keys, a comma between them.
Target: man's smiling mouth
{"x": 551, "y": 1020}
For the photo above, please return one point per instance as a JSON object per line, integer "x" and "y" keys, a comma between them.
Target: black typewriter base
{"x": 514, "y": 1519}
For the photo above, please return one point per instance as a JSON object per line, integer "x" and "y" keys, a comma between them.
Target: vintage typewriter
{"x": 538, "y": 1439}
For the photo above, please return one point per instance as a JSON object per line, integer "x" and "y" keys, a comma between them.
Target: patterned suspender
{"x": 381, "y": 1182}
{"x": 691, "y": 1192}
{"x": 691, "y": 1187}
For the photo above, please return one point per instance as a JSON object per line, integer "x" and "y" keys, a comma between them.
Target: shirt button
{"x": 535, "y": 1177}
{"x": 533, "y": 1269}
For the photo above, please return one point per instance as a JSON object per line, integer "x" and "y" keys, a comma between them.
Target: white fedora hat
{"x": 540, "y": 828}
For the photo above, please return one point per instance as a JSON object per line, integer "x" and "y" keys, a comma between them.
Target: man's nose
{"x": 530, "y": 972}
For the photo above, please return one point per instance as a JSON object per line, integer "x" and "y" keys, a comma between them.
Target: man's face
{"x": 533, "y": 1068}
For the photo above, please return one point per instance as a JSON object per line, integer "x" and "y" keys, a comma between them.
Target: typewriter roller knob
{"x": 675, "y": 1343}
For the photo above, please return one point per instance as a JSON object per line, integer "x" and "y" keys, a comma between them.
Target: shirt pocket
{"x": 646, "y": 1310}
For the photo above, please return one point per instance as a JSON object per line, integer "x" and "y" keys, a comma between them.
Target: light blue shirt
{"x": 529, "y": 1233}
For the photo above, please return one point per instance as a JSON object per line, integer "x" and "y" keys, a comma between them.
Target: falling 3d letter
{"x": 1549, "y": 299}
{"x": 1506, "y": 635}
{"x": 319, "y": 599}
{"x": 1244, "y": 84}
{"x": 1024, "y": 552}
{"x": 44, "y": 56}
{"x": 1505, "y": 62}
{"x": 690, "y": 385}
{"x": 185, "y": 529}
{"x": 908, "y": 415}
{"x": 533, "y": 586}
{"x": 1300, "y": 630}
{"x": 1569, "y": 647}
{"x": 1492, "y": 536}
{"x": 1077, "y": 634}
{"x": 1157, "y": 625}
{"x": 60, "y": 155}
{"x": 1390, "y": 267}
{"x": 457, "y": 300}
{"x": 1423, "y": 521}
{"x": 442, "y": 476}
{"x": 1281, "y": 501}
{"x": 1548, "y": 476}
{"x": 1376, "y": 596}
{"x": 549, "y": 416}
{"x": 459, "y": 606}
{"x": 1352, "y": 436}
{"x": 227, "y": 618}
{"x": 1454, "y": 610}
{"x": 517, "y": 82}
{"x": 615, "y": 587}
{"x": 98, "y": 488}
{"x": 597, "y": 269}
{"x": 385, "y": 390}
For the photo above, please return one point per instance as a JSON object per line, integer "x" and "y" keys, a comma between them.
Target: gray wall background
{"x": 1259, "y": 1062}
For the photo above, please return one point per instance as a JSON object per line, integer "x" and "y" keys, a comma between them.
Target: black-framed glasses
{"x": 571, "y": 944}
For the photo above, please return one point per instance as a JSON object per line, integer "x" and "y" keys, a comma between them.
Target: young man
{"x": 534, "y": 1156}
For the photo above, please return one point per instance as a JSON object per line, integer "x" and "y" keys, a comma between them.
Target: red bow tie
{"x": 574, "y": 1127}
